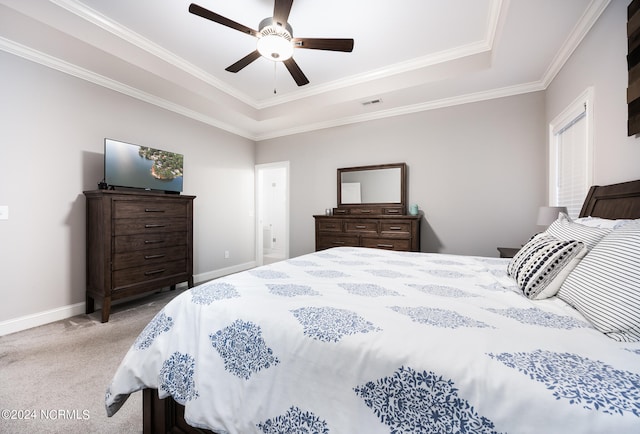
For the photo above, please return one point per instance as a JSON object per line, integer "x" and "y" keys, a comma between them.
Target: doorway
{"x": 272, "y": 212}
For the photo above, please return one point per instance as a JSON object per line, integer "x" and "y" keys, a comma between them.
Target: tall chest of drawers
{"x": 136, "y": 242}
{"x": 390, "y": 232}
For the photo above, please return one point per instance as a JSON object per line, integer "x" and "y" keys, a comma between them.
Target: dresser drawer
{"x": 149, "y": 209}
{"x": 361, "y": 226}
{"x": 366, "y": 211}
{"x": 387, "y": 243}
{"x": 393, "y": 211}
{"x": 130, "y": 276}
{"x": 140, "y": 258}
{"x": 149, "y": 226}
{"x": 329, "y": 225}
{"x": 328, "y": 241}
{"x": 393, "y": 228}
{"x": 128, "y": 243}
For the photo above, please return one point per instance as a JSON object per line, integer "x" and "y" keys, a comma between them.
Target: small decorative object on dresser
{"x": 136, "y": 242}
{"x": 371, "y": 211}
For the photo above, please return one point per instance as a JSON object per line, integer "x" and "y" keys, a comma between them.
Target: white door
{"x": 272, "y": 212}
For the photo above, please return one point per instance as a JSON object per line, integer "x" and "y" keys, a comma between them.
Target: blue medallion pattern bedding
{"x": 356, "y": 340}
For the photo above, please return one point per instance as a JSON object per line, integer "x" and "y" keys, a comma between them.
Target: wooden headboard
{"x": 615, "y": 201}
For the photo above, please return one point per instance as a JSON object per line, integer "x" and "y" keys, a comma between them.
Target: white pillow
{"x": 542, "y": 264}
{"x": 597, "y": 222}
{"x": 566, "y": 230}
{"x": 605, "y": 285}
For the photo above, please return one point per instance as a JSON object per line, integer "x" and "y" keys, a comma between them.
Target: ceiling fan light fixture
{"x": 275, "y": 41}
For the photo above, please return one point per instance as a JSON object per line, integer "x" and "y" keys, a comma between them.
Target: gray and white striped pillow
{"x": 566, "y": 230}
{"x": 605, "y": 286}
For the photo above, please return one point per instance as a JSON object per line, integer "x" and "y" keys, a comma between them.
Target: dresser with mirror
{"x": 371, "y": 211}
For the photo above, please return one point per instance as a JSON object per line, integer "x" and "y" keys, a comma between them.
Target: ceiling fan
{"x": 275, "y": 39}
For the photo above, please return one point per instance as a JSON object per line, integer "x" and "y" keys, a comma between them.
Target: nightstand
{"x": 508, "y": 252}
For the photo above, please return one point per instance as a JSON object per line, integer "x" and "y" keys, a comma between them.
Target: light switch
{"x": 4, "y": 212}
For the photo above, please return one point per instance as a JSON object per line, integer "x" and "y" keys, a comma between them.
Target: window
{"x": 570, "y": 160}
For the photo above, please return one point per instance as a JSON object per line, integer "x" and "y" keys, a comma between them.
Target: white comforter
{"x": 354, "y": 340}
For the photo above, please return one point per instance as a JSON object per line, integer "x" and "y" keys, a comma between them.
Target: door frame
{"x": 259, "y": 198}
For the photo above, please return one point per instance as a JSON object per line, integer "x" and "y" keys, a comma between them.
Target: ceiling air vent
{"x": 373, "y": 101}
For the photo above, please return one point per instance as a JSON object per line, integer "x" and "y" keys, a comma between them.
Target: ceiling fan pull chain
{"x": 274, "y": 78}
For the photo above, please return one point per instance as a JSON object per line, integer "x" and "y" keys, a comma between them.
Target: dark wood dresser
{"x": 371, "y": 211}
{"x": 391, "y": 232}
{"x": 136, "y": 242}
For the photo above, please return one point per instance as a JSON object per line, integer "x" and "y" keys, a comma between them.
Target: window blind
{"x": 572, "y": 177}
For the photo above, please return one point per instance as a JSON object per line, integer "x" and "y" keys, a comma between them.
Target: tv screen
{"x": 134, "y": 166}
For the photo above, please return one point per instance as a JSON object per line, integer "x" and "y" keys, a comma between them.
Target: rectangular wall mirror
{"x": 380, "y": 185}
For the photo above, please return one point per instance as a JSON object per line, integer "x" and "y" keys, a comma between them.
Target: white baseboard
{"x": 64, "y": 312}
{"x": 40, "y": 318}
{"x": 200, "y": 278}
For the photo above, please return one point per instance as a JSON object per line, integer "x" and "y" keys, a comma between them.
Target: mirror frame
{"x": 403, "y": 187}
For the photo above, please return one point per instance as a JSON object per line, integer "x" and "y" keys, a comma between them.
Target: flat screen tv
{"x": 135, "y": 166}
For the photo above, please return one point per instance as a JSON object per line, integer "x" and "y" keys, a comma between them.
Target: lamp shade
{"x": 549, "y": 214}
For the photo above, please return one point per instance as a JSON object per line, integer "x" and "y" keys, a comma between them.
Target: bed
{"x": 357, "y": 340}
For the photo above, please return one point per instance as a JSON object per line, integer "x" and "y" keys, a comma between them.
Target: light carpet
{"x": 53, "y": 378}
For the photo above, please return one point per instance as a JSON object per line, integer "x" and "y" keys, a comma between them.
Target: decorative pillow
{"x": 566, "y": 230}
{"x": 605, "y": 286}
{"x": 597, "y": 222}
{"x": 542, "y": 264}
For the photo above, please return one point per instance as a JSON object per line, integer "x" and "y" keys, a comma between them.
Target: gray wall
{"x": 52, "y": 128}
{"x": 477, "y": 171}
{"x": 600, "y": 61}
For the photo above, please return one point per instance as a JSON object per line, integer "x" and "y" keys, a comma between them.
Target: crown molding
{"x": 593, "y": 12}
{"x": 410, "y": 109}
{"x": 92, "y": 77}
{"x": 478, "y": 47}
{"x": 381, "y": 73}
{"x": 586, "y": 21}
{"x": 81, "y": 10}
{"x": 497, "y": 10}
{"x": 84, "y": 74}
{"x": 96, "y": 18}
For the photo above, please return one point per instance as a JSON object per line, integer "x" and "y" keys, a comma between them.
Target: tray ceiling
{"x": 408, "y": 56}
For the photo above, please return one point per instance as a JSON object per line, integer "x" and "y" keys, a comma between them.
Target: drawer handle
{"x": 340, "y": 243}
{"x": 388, "y": 246}
{"x": 331, "y": 226}
{"x": 153, "y": 256}
{"x": 393, "y": 211}
{"x": 153, "y": 210}
{"x": 394, "y": 228}
{"x": 151, "y": 273}
{"x": 361, "y": 227}
{"x": 153, "y": 241}
{"x": 365, "y": 211}
{"x": 153, "y": 226}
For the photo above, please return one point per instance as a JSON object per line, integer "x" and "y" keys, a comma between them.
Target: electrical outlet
{"x": 4, "y": 212}
{"x": 226, "y": 254}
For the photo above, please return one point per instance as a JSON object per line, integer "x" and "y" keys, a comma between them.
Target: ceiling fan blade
{"x": 324, "y": 44}
{"x": 296, "y": 72}
{"x": 206, "y": 13}
{"x": 281, "y": 10}
{"x": 243, "y": 62}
